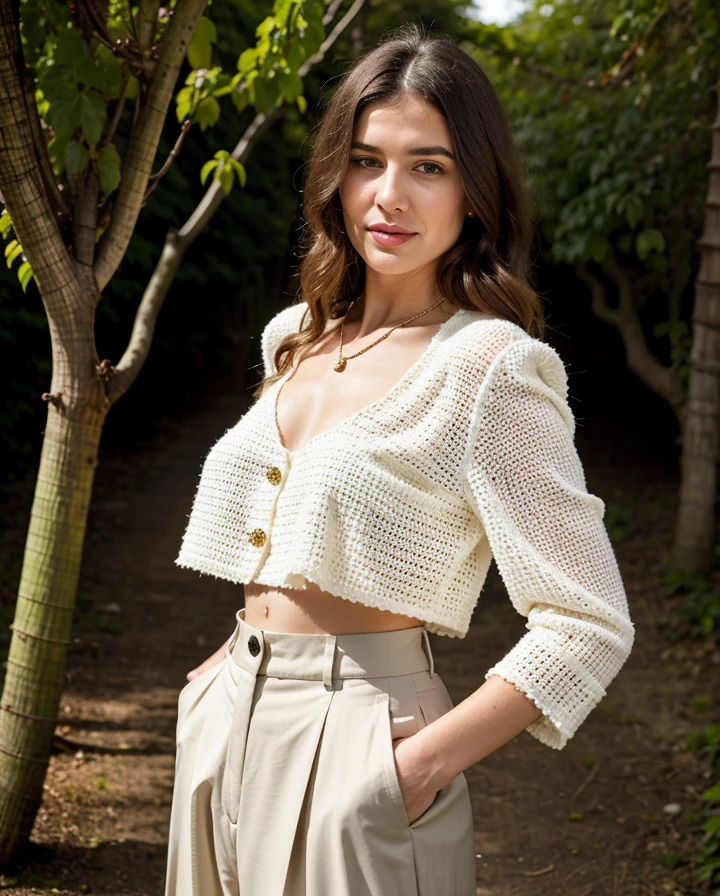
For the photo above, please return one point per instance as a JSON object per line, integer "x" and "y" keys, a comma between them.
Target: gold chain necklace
{"x": 342, "y": 360}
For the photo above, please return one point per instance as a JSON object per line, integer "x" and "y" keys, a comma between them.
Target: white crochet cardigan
{"x": 403, "y": 505}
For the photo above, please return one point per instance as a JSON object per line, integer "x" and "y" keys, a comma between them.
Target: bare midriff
{"x": 314, "y": 611}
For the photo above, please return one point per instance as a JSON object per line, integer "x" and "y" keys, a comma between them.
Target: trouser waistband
{"x": 325, "y": 657}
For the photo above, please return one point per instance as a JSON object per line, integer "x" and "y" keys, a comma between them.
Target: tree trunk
{"x": 78, "y": 404}
{"x": 695, "y": 523}
{"x": 34, "y": 680}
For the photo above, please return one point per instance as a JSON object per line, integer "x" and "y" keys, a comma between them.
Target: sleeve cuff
{"x": 556, "y": 683}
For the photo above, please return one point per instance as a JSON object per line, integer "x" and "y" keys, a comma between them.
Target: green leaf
{"x": 77, "y": 158}
{"x": 131, "y": 88}
{"x": 93, "y": 114}
{"x": 649, "y": 240}
{"x": 64, "y": 111}
{"x": 5, "y": 223}
{"x": 598, "y": 246}
{"x": 301, "y": 103}
{"x": 111, "y": 67}
{"x": 207, "y": 112}
{"x": 712, "y": 795}
{"x": 227, "y": 176}
{"x": 242, "y": 176}
{"x": 183, "y": 103}
{"x": 68, "y": 47}
{"x": 199, "y": 51}
{"x": 24, "y": 274}
{"x": 206, "y": 169}
{"x": 14, "y": 252}
{"x": 88, "y": 74}
{"x": 247, "y": 60}
{"x": 109, "y": 167}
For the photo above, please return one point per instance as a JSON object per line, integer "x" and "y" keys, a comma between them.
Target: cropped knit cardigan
{"x": 403, "y": 504}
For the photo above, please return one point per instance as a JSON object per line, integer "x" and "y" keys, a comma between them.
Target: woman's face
{"x": 402, "y": 173}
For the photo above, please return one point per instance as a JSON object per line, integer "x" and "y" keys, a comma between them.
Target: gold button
{"x": 274, "y": 475}
{"x": 257, "y": 538}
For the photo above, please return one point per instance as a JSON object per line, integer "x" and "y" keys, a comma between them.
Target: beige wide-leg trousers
{"x": 285, "y": 776}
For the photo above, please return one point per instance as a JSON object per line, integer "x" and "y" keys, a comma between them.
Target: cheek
{"x": 353, "y": 197}
{"x": 444, "y": 214}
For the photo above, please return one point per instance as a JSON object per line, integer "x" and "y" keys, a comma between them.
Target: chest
{"x": 314, "y": 398}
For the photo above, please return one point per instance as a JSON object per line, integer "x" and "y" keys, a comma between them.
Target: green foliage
{"x": 680, "y": 338}
{"x": 616, "y": 522}
{"x": 225, "y": 168}
{"x": 612, "y": 103}
{"x": 267, "y": 73}
{"x": 705, "y": 745}
{"x": 700, "y": 605}
{"x": 13, "y": 250}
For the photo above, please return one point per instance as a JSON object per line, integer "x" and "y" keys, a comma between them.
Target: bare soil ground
{"x": 590, "y": 820}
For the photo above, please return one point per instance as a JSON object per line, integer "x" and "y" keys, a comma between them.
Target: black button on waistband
{"x": 253, "y": 645}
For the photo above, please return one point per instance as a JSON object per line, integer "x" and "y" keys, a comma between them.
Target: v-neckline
{"x": 371, "y": 406}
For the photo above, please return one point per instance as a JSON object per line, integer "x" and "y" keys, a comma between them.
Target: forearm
{"x": 476, "y": 727}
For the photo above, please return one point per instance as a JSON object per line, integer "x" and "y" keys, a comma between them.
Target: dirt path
{"x": 586, "y": 820}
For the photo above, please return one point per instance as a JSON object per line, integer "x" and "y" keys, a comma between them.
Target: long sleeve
{"x": 526, "y": 483}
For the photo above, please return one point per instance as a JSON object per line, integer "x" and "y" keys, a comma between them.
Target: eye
{"x": 359, "y": 161}
{"x": 436, "y": 168}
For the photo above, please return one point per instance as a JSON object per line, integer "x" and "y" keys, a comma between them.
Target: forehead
{"x": 411, "y": 121}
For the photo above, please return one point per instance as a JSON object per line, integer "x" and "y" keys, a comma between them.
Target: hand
{"x": 217, "y": 657}
{"x": 417, "y": 787}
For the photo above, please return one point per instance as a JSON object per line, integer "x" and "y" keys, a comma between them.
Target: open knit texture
{"x": 403, "y": 505}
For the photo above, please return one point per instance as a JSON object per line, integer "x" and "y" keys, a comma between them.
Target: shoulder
{"x": 477, "y": 342}
{"x": 282, "y": 324}
{"x": 493, "y": 354}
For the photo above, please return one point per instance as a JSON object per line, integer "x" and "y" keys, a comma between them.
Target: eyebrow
{"x": 415, "y": 151}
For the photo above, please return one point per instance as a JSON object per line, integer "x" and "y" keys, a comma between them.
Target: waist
{"x": 312, "y": 610}
{"x": 323, "y": 657}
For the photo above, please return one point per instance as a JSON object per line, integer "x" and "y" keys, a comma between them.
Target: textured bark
{"x": 695, "y": 523}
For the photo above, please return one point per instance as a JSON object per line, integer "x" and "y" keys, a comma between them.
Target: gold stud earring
{"x": 471, "y": 214}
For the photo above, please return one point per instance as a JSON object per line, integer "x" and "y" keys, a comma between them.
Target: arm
{"x": 525, "y": 481}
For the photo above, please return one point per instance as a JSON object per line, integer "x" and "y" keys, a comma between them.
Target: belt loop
{"x": 236, "y": 634}
{"x": 426, "y": 640}
{"x": 329, "y": 661}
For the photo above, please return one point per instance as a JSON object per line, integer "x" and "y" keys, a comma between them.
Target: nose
{"x": 390, "y": 193}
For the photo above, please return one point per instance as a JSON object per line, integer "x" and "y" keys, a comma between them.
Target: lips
{"x": 390, "y": 228}
{"x": 390, "y": 235}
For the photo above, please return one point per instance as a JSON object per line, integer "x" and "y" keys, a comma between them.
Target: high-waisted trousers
{"x": 285, "y": 774}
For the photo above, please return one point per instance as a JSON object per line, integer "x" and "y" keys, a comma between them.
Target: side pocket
{"x": 192, "y": 693}
{"x": 391, "y": 776}
{"x": 392, "y": 782}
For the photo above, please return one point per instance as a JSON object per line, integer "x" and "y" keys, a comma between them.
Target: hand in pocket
{"x": 211, "y": 661}
{"x": 416, "y": 784}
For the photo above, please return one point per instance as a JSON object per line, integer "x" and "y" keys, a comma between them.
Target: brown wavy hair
{"x": 488, "y": 267}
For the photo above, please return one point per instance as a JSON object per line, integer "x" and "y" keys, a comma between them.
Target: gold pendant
{"x": 341, "y": 365}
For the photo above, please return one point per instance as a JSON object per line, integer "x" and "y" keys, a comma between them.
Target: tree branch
{"x": 178, "y": 242}
{"x": 137, "y": 164}
{"x": 663, "y": 380}
{"x": 22, "y": 183}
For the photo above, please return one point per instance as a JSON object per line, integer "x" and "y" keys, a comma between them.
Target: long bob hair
{"x": 487, "y": 269}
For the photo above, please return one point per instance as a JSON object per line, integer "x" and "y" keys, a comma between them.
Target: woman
{"x": 410, "y": 426}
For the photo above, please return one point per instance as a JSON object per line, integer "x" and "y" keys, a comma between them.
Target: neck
{"x": 391, "y": 299}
